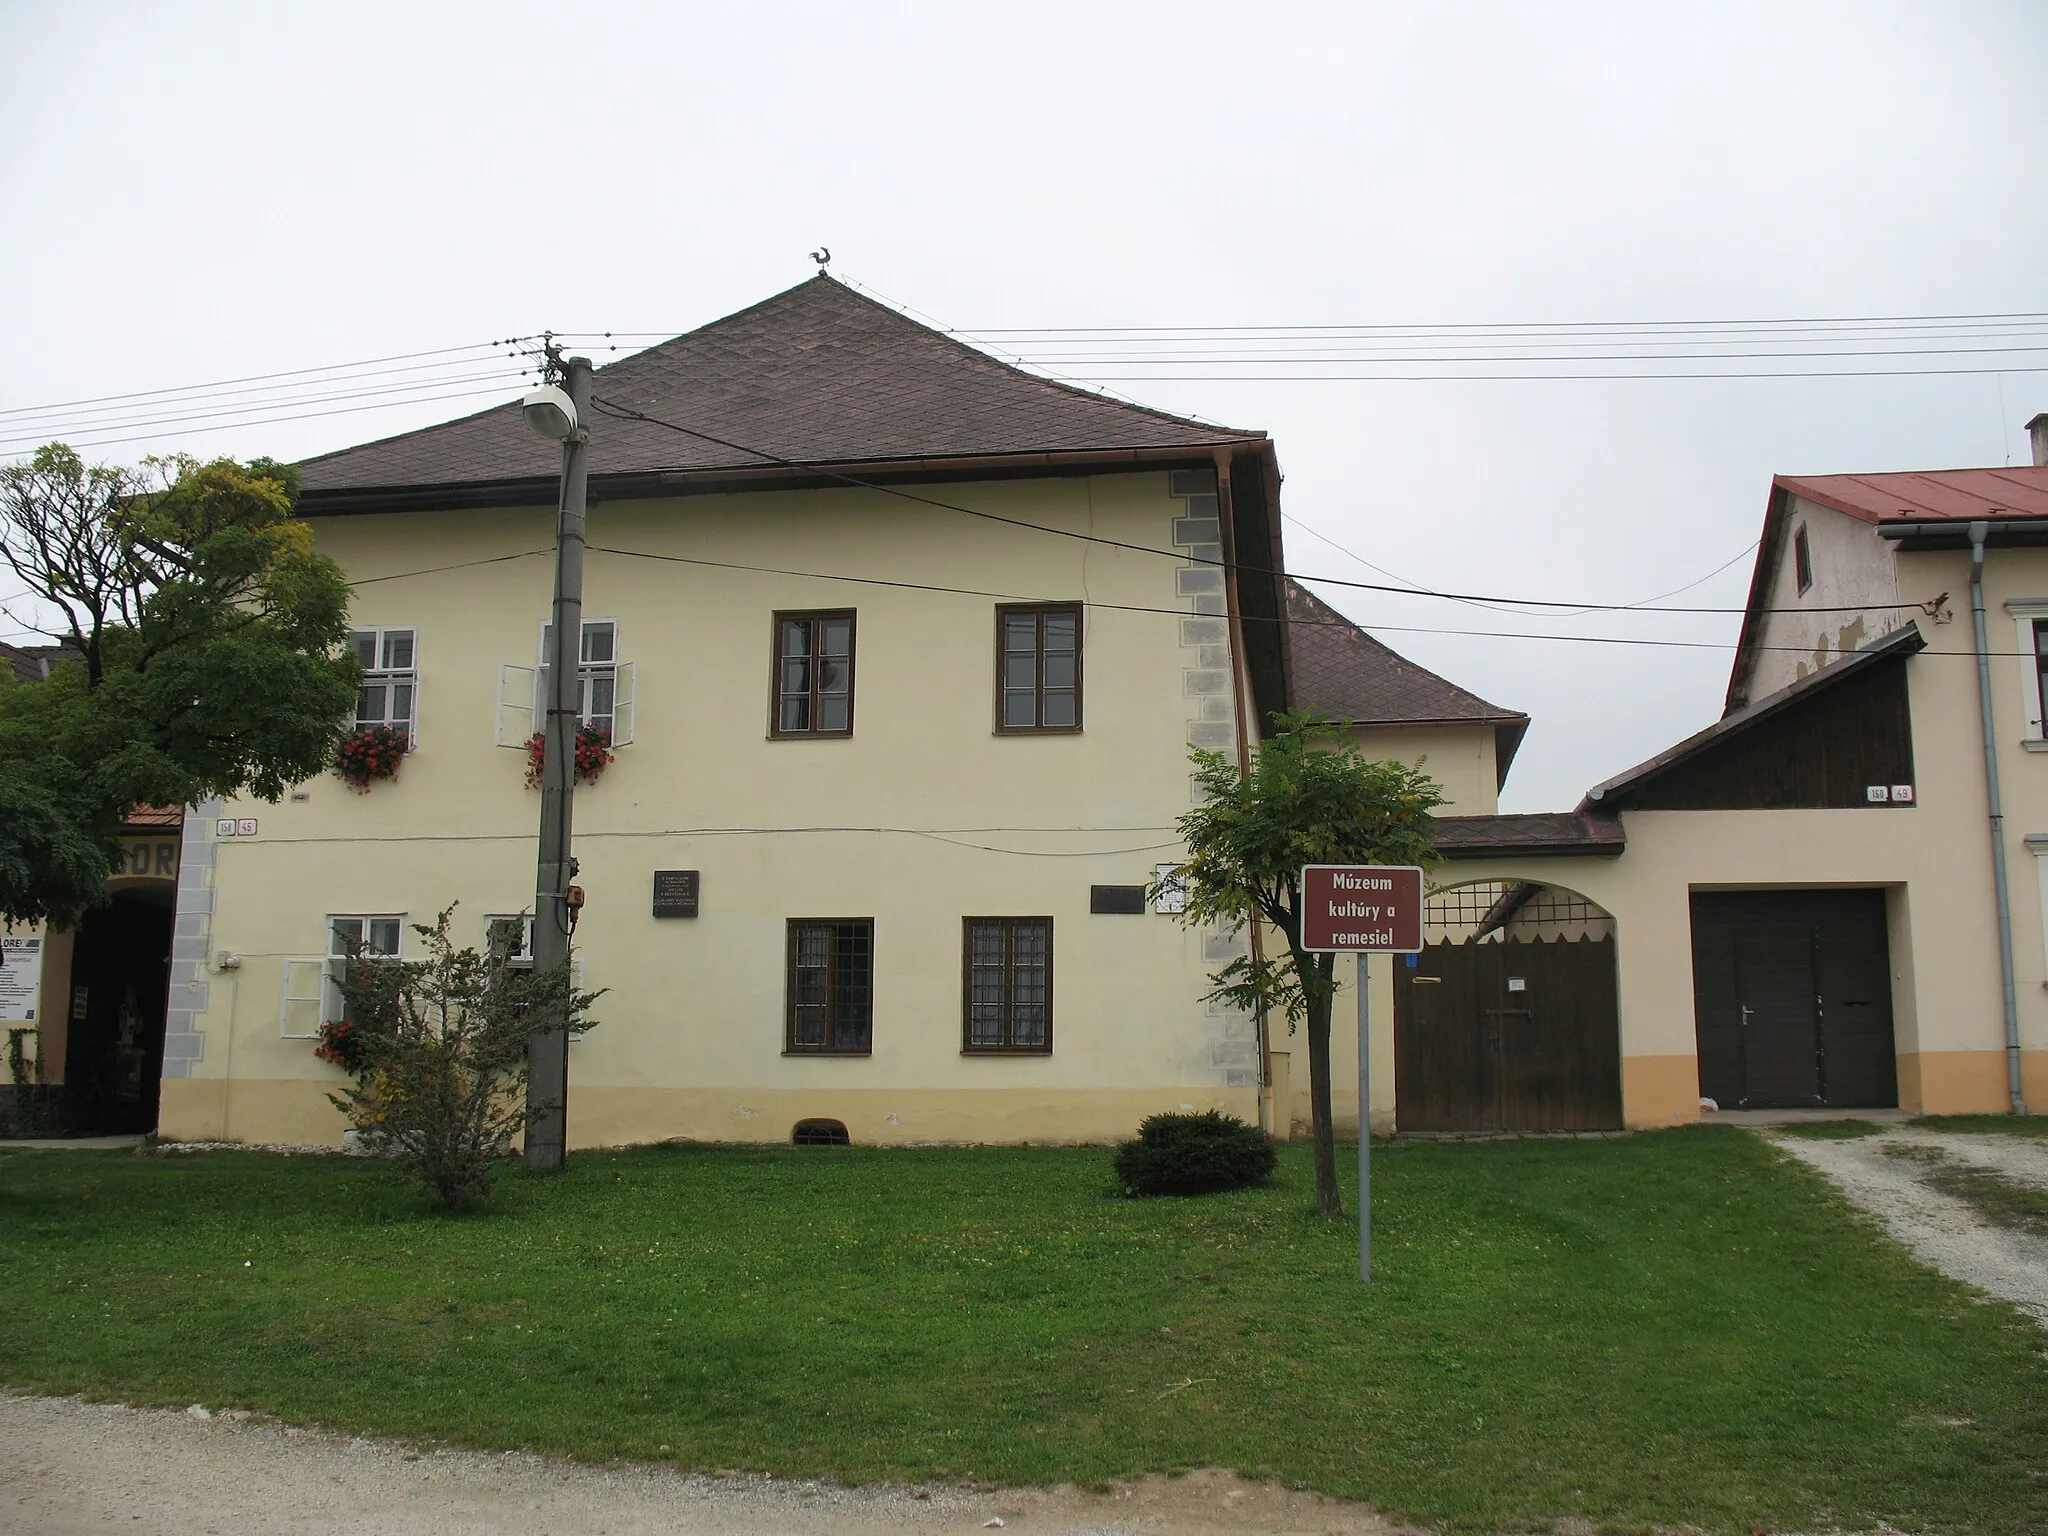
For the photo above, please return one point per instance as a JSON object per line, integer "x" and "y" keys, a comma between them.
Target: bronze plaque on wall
{"x": 675, "y": 893}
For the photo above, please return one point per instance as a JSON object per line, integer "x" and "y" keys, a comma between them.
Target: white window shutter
{"x": 2030, "y": 677}
{"x": 622, "y": 706}
{"x": 304, "y": 997}
{"x": 515, "y": 705}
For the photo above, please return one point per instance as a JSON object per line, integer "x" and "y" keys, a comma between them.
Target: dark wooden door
{"x": 1792, "y": 999}
{"x": 1519, "y": 1036}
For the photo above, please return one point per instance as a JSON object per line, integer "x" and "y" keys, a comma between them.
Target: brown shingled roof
{"x": 817, "y": 374}
{"x": 1336, "y": 667}
{"x": 1538, "y": 832}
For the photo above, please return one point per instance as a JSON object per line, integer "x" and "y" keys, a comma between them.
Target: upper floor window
{"x": 1038, "y": 668}
{"x": 2031, "y": 626}
{"x": 831, "y": 985}
{"x": 813, "y": 674}
{"x": 1802, "y": 560}
{"x": 390, "y": 683}
{"x": 604, "y": 688}
{"x": 600, "y": 698}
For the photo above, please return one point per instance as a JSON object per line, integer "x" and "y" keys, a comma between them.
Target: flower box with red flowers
{"x": 593, "y": 753}
{"x": 371, "y": 753}
{"x": 342, "y": 1044}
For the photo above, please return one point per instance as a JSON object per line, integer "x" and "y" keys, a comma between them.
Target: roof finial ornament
{"x": 823, "y": 257}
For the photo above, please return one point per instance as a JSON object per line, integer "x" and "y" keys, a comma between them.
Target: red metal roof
{"x": 1961, "y": 495}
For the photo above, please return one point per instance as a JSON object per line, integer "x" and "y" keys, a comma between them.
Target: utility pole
{"x": 547, "y": 1058}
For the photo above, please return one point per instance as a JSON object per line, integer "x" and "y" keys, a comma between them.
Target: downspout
{"x": 1240, "y": 677}
{"x": 1978, "y": 532}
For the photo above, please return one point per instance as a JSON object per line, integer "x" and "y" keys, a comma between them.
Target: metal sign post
{"x": 1363, "y": 910}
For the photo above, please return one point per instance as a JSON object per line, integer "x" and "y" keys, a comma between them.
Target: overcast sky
{"x": 209, "y": 192}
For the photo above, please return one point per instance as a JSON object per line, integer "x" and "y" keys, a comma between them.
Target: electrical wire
{"x": 341, "y": 410}
{"x": 396, "y": 357}
{"x": 627, "y": 413}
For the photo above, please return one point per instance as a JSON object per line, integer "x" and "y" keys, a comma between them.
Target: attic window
{"x": 1802, "y": 560}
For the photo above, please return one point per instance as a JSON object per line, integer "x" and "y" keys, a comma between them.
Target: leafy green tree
{"x": 437, "y": 1049}
{"x": 203, "y": 656}
{"x": 1310, "y": 797}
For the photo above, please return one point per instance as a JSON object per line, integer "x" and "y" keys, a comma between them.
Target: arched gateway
{"x": 1508, "y": 1019}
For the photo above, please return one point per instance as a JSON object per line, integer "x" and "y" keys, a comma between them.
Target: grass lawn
{"x": 1680, "y": 1328}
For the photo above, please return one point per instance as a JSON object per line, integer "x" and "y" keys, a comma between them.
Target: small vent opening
{"x": 820, "y": 1133}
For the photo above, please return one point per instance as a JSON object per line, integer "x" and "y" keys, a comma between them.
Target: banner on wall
{"x": 21, "y": 977}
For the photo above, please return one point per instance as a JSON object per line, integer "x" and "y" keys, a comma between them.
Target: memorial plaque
{"x": 675, "y": 893}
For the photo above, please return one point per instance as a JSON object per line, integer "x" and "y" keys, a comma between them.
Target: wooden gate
{"x": 1792, "y": 999}
{"x": 1508, "y": 1035}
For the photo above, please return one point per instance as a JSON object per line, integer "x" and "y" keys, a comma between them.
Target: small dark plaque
{"x": 675, "y": 893}
{"x": 1117, "y": 898}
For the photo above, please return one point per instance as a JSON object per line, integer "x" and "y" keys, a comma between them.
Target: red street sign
{"x": 1367, "y": 909}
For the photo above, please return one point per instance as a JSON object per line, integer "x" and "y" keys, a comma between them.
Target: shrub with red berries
{"x": 593, "y": 752}
{"x": 364, "y": 756}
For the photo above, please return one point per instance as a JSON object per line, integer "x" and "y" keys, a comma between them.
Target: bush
{"x": 437, "y": 1048}
{"x": 1194, "y": 1155}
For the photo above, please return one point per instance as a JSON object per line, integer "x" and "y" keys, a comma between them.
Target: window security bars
{"x": 1008, "y": 985}
{"x": 831, "y": 986}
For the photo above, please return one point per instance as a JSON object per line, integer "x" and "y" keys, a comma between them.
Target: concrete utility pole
{"x": 547, "y": 1060}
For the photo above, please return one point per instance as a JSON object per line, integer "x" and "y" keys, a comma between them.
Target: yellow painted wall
{"x": 692, "y": 1027}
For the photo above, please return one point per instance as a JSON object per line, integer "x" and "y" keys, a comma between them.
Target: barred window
{"x": 1008, "y": 984}
{"x": 831, "y": 985}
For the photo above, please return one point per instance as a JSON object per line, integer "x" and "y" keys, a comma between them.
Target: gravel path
{"x": 1946, "y": 1233}
{"x": 69, "y": 1468}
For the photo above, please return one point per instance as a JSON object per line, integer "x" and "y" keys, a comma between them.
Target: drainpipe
{"x": 1978, "y": 532}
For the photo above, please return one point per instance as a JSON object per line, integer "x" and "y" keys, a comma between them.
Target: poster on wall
{"x": 21, "y": 977}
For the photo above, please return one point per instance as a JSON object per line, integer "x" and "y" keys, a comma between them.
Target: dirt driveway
{"x": 79, "y": 1469}
{"x": 1887, "y": 1175}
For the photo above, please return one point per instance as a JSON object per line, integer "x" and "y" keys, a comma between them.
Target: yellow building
{"x": 894, "y": 760}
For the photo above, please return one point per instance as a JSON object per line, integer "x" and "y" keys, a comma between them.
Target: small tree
{"x": 437, "y": 1049}
{"x": 1310, "y": 797}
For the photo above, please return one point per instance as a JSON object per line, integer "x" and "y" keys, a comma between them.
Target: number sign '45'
{"x": 1365, "y": 909}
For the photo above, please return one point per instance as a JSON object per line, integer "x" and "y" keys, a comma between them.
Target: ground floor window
{"x": 357, "y": 938}
{"x": 1008, "y": 963}
{"x": 831, "y": 985}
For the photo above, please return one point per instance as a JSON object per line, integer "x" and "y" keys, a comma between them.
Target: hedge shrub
{"x": 1194, "y": 1155}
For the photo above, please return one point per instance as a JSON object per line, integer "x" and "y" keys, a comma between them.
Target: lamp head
{"x": 550, "y": 412}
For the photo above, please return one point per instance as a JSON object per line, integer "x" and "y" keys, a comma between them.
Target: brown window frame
{"x": 790, "y": 1045}
{"x": 815, "y": 616}
{"x": 1008, "y": 1004}
{"x": 1802, "y": 561}
{"x": 1004, "y": 613}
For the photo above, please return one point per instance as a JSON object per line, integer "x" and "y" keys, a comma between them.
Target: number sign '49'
{"x": 1364, "y": 909}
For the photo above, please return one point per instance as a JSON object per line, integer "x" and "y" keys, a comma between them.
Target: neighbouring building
{"x": 1820, "y": 900}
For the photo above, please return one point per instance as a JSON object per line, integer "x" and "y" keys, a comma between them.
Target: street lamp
{"x": 558, "y": 415}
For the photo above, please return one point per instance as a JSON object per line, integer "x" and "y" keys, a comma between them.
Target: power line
{"x": 396, "y": 357}
{"x": 621, "y": 412}
{"x": 254, "y": 421}
{"x": 1546, "y": 378}
{"x": 259, "y": 411}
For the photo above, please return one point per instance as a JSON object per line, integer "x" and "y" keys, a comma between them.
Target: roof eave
{"x": 638, "y": 485}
